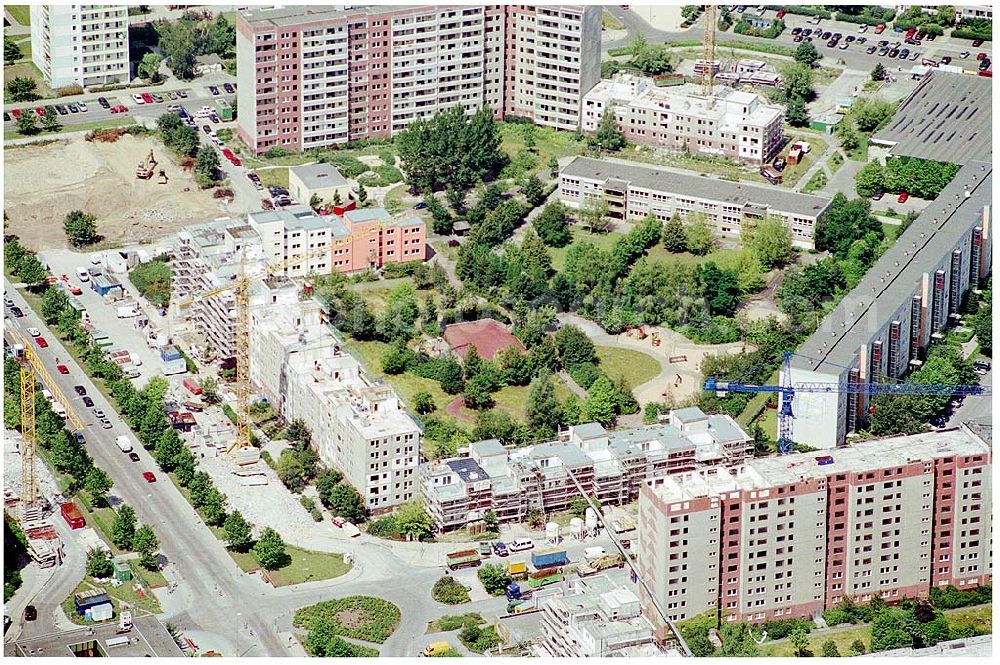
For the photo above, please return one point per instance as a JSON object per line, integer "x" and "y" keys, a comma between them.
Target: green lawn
{"x": 836, "y": 161}
{"x": 124, "y": 597}
{"x": 816, "y": 182}
{"x": 549, "y": 143}
{"x": 21, "y": 13}
{"x": 637, "y": 367}
{"x": 82, "y": 127}
{"x": 724, "y": 258}
{"x": 406, "y": 384}
{"x": 26, "y": 69}
{"x": 275, "y": 177}
{"x": 394, "y": 198}
{"x": 603, "y": 241}
{"x": 305, "y": 566}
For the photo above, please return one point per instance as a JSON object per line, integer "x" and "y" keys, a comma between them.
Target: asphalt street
{"x": 854, "y": 57}
{"x": 973, "y": 408}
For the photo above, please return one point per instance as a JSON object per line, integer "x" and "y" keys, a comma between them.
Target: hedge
{"x": 959, "y": 33}
{"x": 802, "y": 11}
{"x": 867, "y": 20}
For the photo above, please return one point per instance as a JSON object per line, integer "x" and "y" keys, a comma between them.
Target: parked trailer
{"x": 592, "y": 567}
{"x": 549, "y": 558}
{"x": 463, "y": 559}
{"x": 545, "y": 577}
{"x": 72, "y": 515}
{"x": 518, "y": 570}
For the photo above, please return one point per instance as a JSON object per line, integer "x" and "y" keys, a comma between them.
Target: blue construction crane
{"x": 787, "y": 392}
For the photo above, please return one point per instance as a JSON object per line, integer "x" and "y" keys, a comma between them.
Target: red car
{"x": 236, "y": 161}
{"x": 41, "y": 342}
{"x": 148, "y": 98}
{"x": 880, "y": 28}
{"x": 981, "y": 55}
{"x": 75, "y": 290}
{"x": 41, "y": 111}
{"x": 16, "y": 113}
{"x": 62, "y": 369}
{"x": 781, "y": 14}
{"x": 228, "y": 153}
{"x": 338, "y": 522}
{"x": 902, "y": 197}
{"x": 148, "y": 475}
{"x": 121, "y": 108}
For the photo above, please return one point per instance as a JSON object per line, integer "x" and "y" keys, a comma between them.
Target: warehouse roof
{"x": 712, "y": 189}
{"x": 895, "y": 276}
{"x": 947, "y": 118}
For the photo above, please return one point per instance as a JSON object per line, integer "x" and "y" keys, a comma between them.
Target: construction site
{"x": 113, "y": 181}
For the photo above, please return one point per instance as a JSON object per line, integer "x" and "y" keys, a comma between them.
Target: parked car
{"x": 80, "y": 390}
{"x": 83, "y": 107}
{"x": 34, "y": 332}
{"x": 871, "y": 49}
{"x": 106, "y": 424}
{"x": 981, "y": 367}
{"x": 73, "y": 108}
{"x": 40, "y": 111}
{"x": 880, "y": 28}
{"x": 904, "y": 54}
{"x": 87, "y": 402}
{"x": 796, "y": 31}
{"x": 61, "y": 110}
{"x": 137, "y": 98}
{"x": 981, "y": 55}
{"x": 16, "y": 311}
{"x": 62, "y": 369}
{"x": 849, "y": 38}
{"x": 984, "y": 64}
{"x": 862, "y": 28}
{"x": 914, "y": 55}
{"x": 6, "y": 116}
{"x": 149, "y": 477}
{"x": 826, "y": 35}
{"x": 99, "y": 414}
{"x": 228, "y": 87}
{"x": 779, "y": 164}
{"x": 977, "y": 43}
{"x": 500, "y": 549}
{"x": 844, "y": 46}
{"x": 15, "y": 113}
{"x": 147, "y": 98}
{"x": 182, "y": 94}
{"x": 157, "y": 98}
{"x": 893, "y": 53}
{"x": 420, "y": 206}
{"x": 338, "y": 522}
{"x": 902, "y": 197}
{"x": 212, "y": 89}
{"x": 121, "y": 108}
{"x": 207, "y": 129}
{"x": 41, "y": 342}
{"x": 797, "y": 38}
{"x": 946, "y": 60}
{"x": 30, "y": 613}
{"x": 134, "y": 456}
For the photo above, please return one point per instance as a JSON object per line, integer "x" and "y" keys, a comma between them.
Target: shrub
{"x": 373, "y": 619}
{"x": 449, "y": 591}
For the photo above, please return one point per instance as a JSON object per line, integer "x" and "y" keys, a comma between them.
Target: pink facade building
{"x": 787, "y": 536}
{"x": 316, "y": 76}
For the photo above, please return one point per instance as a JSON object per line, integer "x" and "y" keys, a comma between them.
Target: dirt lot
{"x": 43, "y": 183}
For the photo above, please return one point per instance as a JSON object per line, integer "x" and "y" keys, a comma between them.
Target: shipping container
{"x": 193, "y": 387}
{"x": 87, "y": 599}
{"x": 549, "y": 558}
{"x": 72, "y": 515}
{"x": 545, "y": 577}
{"x": 517, "y": 569}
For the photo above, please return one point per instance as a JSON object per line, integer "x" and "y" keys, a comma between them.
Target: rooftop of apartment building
{"x": 318, "y": 175}
{"x": 212, "y": 235}
{"x": 893, "y": 278}
{"x": 590, "y": 444}
{"x": 947, "y": 118}
{"x": 301, "y": 219}
{"x": 860, "y": 457}
{"x": 697, "y": 186}
{"x": 276, "y": 17}
{"x": 721, "y": 106}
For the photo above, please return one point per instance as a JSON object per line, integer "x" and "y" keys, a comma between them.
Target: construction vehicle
{"x": 144, "y": 171}
{"x": 32, "y": 370}
{"x": 163, "y": 178}
{"x": 463, "y": 559}
{"x": 786, "y": 393}
{"x": 601, "y": 563}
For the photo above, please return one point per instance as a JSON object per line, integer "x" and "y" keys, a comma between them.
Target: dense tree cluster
{"x": 923, "y": 178}
{"x": 183, "y": 40}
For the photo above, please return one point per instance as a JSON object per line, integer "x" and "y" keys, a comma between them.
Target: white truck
{"x": 124, "y": 444}
{"x": 128, "y": 310}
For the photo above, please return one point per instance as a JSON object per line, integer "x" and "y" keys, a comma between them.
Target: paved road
{"x": 978, "y": 409}
{"x": 854, "y": 57}
{"x": 198, "y": 559}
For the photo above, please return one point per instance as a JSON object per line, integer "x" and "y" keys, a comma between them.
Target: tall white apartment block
{"x": 358, "y": 423}
{"x": 82, "y": 44}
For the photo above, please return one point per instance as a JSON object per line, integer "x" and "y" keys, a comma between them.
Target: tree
{"x": 423, "y": 403}
{"x": 769, "y": 239}
{"x": 168, "y": 449}
{"x": 123, "y": 527}
{"x": 80, "y": 228}
{"x": 146, "y": 543}
{"x": 239, "y": 532}
{"x": 347, "y": 503}
{"x": 13, "y": 253}
{"x": 337, "y": 200}
{"x": 450, "y": 377}
{"x": 551, "y": 225}
{"x": 441, "y": 220}
{"x": 54, "y": 303}
{"x": 674, "y": 236}
{"x": 326, "y": 480}
{"x": 11, "y": 51}
{"x": 315, "y": 202}
{"x": 795, "y": 113}
{"x": 149, "y": 68}
{"x": 699, "y": 234}
{"x": 878, "y": 72}
{"x": 206, "y": 165}
{"x": 797, "y": 82}
{"x": 553, "y": 166}
{"x": 477, "y": 392}
{"x": 31, "y": 271}
{"x": 893, "y": 628}
{"x": 50, "y": 121}
{"x": 291, "y": 471}
{"x": 608, "y": 137}
{"x": 361, "y": 194}
{"x": 601, "y": 400}
{"x": 870, "y": 179}
{"x": 542, "y": 408}
{"x": 298, "y": 431}
{"x": 871, "y": 114}
{"x": 413, "y": 521}
{"x": 22, "y": 89}
{"x": 574, "y": 346}
{"x": 269, "y": 550}
{"x": 845, "y": 222}
{"x": 533, "y": 192}
{"x": 210, "y": 390}
{"x": 177, "y": 44}
{"x": 857, "y": 648}
{"x": 26, "y": 125}
{"x": 494, "y": 578}
{"x": 800, "y": 641}
{"x": 99, "y": 566}
{"x": 98, "y": 483}
{"x": 806, "y": 54}
{"x": 830, "y": 649}
{"x": 491, "y": 522}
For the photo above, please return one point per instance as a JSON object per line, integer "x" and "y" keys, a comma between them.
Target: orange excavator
{"x": 144, "y": 171}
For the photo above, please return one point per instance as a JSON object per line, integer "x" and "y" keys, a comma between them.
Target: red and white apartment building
{"x": 312, "y": 76}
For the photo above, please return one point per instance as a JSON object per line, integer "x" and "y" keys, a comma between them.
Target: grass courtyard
{"x": 637, "y": 367}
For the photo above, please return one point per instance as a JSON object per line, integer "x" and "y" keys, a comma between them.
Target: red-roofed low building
{"x": 488, "y": 335}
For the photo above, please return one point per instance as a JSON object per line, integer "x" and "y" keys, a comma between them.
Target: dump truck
{"x": 603, "y": 563}
{"x": 463, "y": 559}
{"x": 541, "y": 578}
{"x": 518, "y": 570}
{"x": 549, "y": 558}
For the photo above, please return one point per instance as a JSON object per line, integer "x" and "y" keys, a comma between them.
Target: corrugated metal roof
{"x": 947, "y": 118}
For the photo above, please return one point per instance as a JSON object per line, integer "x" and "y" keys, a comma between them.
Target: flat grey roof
{"x": 315, "y": 176}
{"x": 148, "y": 638}
{"x": 947, "y": 118}
{"x": 590, "y": 430}
{"x": 895, "y": 276}
{"x": 698, "y": 186}
{"x": 367, "y": 215}
{"x": 295, "y": 14}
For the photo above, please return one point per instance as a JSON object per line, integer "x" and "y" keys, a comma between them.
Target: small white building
{"x": 322, "y": 180}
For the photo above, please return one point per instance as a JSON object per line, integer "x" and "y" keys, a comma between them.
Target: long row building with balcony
{"x": 633, "y": 191}
{"x": 85, "y": 45}
{"x": 789, "y": 536}
{"x": 609, "y": 465}
{"x": 907, "y": 300}
{"x": 313, "y": 76}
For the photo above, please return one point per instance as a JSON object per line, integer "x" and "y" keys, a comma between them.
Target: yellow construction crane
{"x": 708, "y": 51}
{"x": 241, "y": 291}
{"x": 32, "y": 369}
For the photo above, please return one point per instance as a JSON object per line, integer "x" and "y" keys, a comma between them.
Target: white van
{"x": 124, "y": 444}
{"x": 83, "y": 274}
{"x": 520, "y": 544}
{"x": 58, "y": 409}
{"x": 47, "y": 395}
{"x": 593, "y": 553}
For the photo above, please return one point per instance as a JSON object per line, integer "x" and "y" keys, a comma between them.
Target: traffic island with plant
{"x": 449, "y": 591}
{"x": 359, "y": 617}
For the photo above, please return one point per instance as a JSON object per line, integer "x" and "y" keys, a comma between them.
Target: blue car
{"x": 420, "y": 206}
{"x": 500, "y": 549}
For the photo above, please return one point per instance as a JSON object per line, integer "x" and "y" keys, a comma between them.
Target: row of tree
{"x": 923, "y": 178}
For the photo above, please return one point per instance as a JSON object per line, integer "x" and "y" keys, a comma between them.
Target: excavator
{"x": 163, "y": 177}
{"x": 144, "y": 171}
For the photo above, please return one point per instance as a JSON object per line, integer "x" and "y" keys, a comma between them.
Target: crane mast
{"x": 708, "y": 51}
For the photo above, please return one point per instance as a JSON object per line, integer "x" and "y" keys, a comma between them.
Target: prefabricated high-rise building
{"x": 86, "y": 45}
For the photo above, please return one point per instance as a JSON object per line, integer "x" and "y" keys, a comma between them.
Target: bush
{"x": 780, "y": 629}
{"x": 373, "y": 619}
{"x": 384, "y": 527}
{"x": 449, "y": 591}
{"x": 951, "y": 597}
